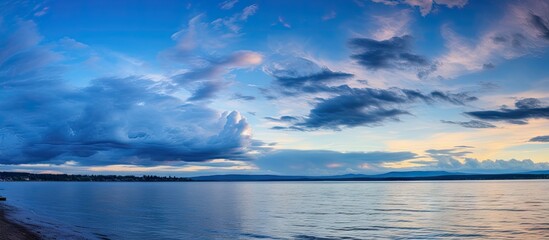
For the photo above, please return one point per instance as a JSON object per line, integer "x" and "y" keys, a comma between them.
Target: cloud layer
{"x": 529, "y": 108}
{"x": 323, "y": 162}
{"x": 109, "y": 121}
{"x": 393, "y": 53}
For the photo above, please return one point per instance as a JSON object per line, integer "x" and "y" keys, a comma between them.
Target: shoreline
{"x": 12, "y": 230}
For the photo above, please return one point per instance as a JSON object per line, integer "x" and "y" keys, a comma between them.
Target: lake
{"x": 286, "y": 210}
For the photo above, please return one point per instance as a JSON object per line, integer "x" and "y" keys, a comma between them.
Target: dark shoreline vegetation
{"x": 31, "y": 177}
{"x": 391, "y": 176}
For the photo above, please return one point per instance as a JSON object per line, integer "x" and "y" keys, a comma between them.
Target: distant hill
{"x": 244, "y": 177}
{"x": 416, "y": 174}
{"x": 537, "y": 172}
{"x": 390, "y": 176}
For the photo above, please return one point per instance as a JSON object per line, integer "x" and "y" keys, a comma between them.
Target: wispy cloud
{"x": 329, "y": 16}
{"x": 471, "y": 124}
{"x": 518, "y": 33}
{"x": 425, "y": 6}
{"x": 323, "y": 162}
{"x": 283, "y": 22}
{"x": 233, "y": 23}
{"x": 228, "y": 4}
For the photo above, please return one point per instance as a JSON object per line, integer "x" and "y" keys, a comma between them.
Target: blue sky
{"x": 273, "y": 87}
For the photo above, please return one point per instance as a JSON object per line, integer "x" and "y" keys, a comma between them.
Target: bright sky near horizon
{"x": 274, "y": 87}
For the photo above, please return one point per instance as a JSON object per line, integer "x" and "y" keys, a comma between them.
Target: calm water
{"x": 290, "y": 210}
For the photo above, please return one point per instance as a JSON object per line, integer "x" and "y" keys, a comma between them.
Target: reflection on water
{"x": 293, "y": 210}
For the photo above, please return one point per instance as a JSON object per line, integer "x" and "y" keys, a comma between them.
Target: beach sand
{"x": 12, "y": 231}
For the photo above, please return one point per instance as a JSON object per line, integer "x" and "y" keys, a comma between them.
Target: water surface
{"x": 289, "y": 210}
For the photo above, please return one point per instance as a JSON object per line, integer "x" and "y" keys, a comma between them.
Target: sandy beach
{"x": 12, "y": 231}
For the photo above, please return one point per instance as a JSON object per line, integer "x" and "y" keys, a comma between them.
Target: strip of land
{"x": 13, "y": 231}
{"x": 390, "y": 176}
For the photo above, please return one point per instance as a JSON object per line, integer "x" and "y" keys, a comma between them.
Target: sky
{"x": 188, "y": 88}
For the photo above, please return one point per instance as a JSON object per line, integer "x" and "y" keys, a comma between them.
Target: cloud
{"x": 526, "y": 109}
{"x": 207, "y": 90}
{"x": 324, "y": 162}
{"x": 283, "y": 22}
{"x": 471, "y": 124}
{"x": 392, "y": 25}
{"x": 248, "y": 11}
{"x": 200, "y": 36}
{"x": 519, "y": 32}
{"x": 187, "y": 38}
{"x": 488, "y": 66}
{"x": 215, "y": 68}
{"x": 207, "y": 80}
{"x": 347, "y": 106}
{"x": 239, "y": 96}
{"x": 299, "y": 72}
{"x": 540, "y": 139}
{"x": 228, "y": 4}
{"x": 425, "y": 6}
{"x": 528, "y": 103}
{"x": 111, "y": 121}
{"x": 329, "y": 16}
{"x": 131, "y": 120}
{"x": 456, "y": 160}
{"x": 71, "y": 43}
{"x": 22, "y": 58}
{"x": 541, "y": 25}
{"x": 233, "y": 23}
{"x": 41, "y": 12}
{"x": 370, "y": 107}
{"x": 393, "y": 53}
{"x": 283, "y": 119}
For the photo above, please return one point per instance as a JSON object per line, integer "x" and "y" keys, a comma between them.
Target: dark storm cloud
{"x": 540, "y": 139}
{"x": 370, "y": 107}
{"x": 324, "y": 162}
{"x": 111, "y": 121}
{"x": 116, "y": 121}
{"x": 386, "y": 54}
{"x": 526, "y": 109}
{"x": 541, "y": 25}
{"x": 471, "y": 124}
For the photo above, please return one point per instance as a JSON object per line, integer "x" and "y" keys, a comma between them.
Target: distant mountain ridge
{"x": 390, "y": 176}
{"x": 417, "y": 174}
{"x": 404, "y": 175}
